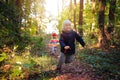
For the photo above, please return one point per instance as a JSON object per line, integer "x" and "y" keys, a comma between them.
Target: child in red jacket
{"x": 53, "y": 43}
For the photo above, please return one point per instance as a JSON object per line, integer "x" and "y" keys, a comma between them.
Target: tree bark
{"x": 93, "y": 6}
{"x": 19, "y": 7}
{"x": 81, "y": 17}
{"x": 6, "y": 1}
{"x": 101, "y": 17}
{"x": 111, "y": 16}
{"x": 93, "y": 15}
{"x": 70, "y": 11}
{"x": 81, "y": 12}
{"x": 75, "y": 15}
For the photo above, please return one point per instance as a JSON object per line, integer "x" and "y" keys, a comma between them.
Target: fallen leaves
{"x": 76, "y": 71}
{"x": 7, "y": 67}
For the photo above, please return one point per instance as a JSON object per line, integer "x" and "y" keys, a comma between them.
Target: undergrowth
{"x": 104, "y": 63}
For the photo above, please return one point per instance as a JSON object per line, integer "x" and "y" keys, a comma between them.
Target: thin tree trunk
{"x": 19, "y": 5}
{"x": 111, "y": 16}
{"x": 81, "y": 12}
{"x": 6, "y": 1}
{"x": 93, "y": 5}
{"x": 81, "y": 17}
{"x": 70, "y": 11}
{"x": 101, "y": 17}
{"x": 75, "y": 15}
{"x": 93, "y": 11}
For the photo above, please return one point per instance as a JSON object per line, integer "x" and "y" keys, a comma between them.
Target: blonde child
{"x": 67, "y": 43}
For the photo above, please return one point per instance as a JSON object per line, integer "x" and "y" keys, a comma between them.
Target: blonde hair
{"x": 64, "y": 23}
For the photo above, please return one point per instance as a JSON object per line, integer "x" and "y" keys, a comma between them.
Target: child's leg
{"x": 61, "y": 60}
{"x": 53, "y": 50}
{"x": 69, "y": 58}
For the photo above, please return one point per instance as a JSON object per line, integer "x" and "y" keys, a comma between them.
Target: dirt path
{"x": 77, "y": 71}
{"x": 73, "y": 71}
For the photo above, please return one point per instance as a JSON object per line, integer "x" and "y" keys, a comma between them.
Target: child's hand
{"x": 85, "y": 47}
{"x": 67, "y": 47}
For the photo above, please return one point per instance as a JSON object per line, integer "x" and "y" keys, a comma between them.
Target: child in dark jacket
{"x": 67, "y": 43}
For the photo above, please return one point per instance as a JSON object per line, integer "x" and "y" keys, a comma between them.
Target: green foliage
{"x": 3, "y": 56}
{"x": 10, "y": 32}
{"x": 103, "y": 62}
{"x": 15, "y": 74}
{"x": 63, "y": 16}
{"x": 117, "y": 20}
{"x": 20, "y": 30}
{"x": 17, "y": 24}
{"x": 9, "y": 25}
{"x": 37, "y": 45}
{"x": 37, "y": 41}
{"x": 23, "y": 43}
{"x": 22, "y": 67}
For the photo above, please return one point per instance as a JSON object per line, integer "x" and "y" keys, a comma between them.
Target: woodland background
{"x": 23, "y": 40}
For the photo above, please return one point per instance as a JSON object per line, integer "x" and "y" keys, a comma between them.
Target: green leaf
{"x": 2, "y": 57}
{"x": 15, "y": 73}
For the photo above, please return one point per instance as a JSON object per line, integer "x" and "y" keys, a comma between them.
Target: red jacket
{"x": 54, "y": 41}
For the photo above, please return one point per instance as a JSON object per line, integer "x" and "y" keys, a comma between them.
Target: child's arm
{"x": 50, "y": 43}
{"x": 79, "y": 39}
{"x": 61, "y": 40}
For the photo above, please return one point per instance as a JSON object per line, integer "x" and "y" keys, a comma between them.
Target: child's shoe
{"x": 58, "y": 70}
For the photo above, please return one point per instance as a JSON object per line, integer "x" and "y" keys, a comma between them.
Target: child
{"x": 67, "y": 43}
{"x": 53, "y": 43}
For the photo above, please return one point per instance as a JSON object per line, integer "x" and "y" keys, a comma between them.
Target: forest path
{"x": 77, "y": 70}
{"x": 74, "y": 71}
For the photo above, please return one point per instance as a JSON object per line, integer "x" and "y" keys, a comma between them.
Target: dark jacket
{"x": 68, "y": 39}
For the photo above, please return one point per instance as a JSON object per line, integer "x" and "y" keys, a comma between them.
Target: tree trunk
{"x": 81, "y": 17}
{"x": 70, "y": 11}
{"x": 93, "y": 5}
{"x": 18, "y": 4}
{"x": 19, "y": 7}
{"x": 103, "y": 43}
{"x": 111, "y": 16}
{"x": 75, "y": 15}
{"x": 93, "y": 15}
{"x": 6, "y": 1}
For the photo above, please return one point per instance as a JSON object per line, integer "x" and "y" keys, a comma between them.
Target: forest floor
{"x": 91, "y": 63}
{"x": 77, "y": 70}
{"x": 73, "y": 71}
